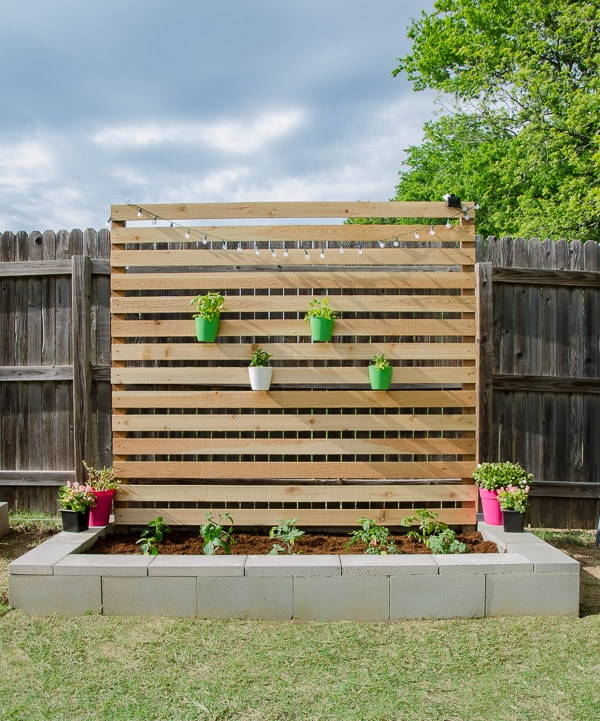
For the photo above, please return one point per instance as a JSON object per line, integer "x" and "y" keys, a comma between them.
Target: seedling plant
{"x": 320, "y": 309}
{"x": 377, "y": 539}
{"x": 215, "y": 536}
{"x": 260, "y": 358}
{"x": 152, "y": 536}
{"x": 287, "y": 533}
{"x": 433, "y": 533}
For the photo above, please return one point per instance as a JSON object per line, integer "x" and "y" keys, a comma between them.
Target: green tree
{"x": 522, "y": 136}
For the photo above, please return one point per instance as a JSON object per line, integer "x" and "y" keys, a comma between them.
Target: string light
{"x": 432, "y": 230}
{"x": 381, "y": 244}
{"x": 273, "y": 253}
{"x": 205, "y": 239}
{"x": 416, "y": 234}
{"x": 322, "y": 254}
{"x": 140, "y": 214}
{"x": 256, "y": 249}
{"x": 285, "y": 251}
{"x": 224, "y": 245}
{"x": 239, "y": 248}
{"x": 306, "y": 255}
{"x": 448, "y": 224}
{"x": 154, "y": 220}
{"x": 187, "y": 234}
{"x": 342, "y": 250}
{"x": 360, "y": 250}
{"x": 396, "y": 243}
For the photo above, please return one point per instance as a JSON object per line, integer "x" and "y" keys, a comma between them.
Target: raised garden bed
{"x": 529, "y": 578}
{"x": 180, "y": 542}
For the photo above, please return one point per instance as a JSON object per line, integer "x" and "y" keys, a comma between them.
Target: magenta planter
{"x": 492, "y": 514}
{"x": 100, "y": 513}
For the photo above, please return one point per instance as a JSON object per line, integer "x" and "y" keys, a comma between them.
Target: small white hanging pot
{"x": 260, "y": 377}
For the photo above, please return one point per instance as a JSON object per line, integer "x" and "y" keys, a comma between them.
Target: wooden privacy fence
{"x": 54, "y": 361}
{"x": 189, "y": 435}
{"x": 540, "y": 327}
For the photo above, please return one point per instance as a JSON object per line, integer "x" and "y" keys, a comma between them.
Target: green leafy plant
{"x": 101, "y": 479}
{"x": 215, "y": 536}
{"x": 76, "y": 497}
{"x": 287, "y": 533}
{"x": 428, "y": 524}
{"x": 492, "y": 476}
{"x": 380, "y": 361}
{"x": 209, "y": 306}
{"x": 513, "y": 498}
{"x": 320, "y": 309}
{"x": 377, "y": 539}
{"x": 152, "y": 535}
{"x": 260, "y": 357}
{"x": 446, "y": 542}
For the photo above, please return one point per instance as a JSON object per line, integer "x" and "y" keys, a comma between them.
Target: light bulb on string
{"x": 342, "y": 250}
{"x": 476, "y": 206}
{"x": 187, "y": 234}
{"x": 381, "y": 244}
{"x": 224, "y": 245}
{"x": 108, "y": 222}
{"x": 396, "y": 243}
{"x": 360, "y": 250}
{"x": 448, "y": 224}
{"x": 154, "y": 220}
{"x": 140, "y": 214}
{"x": 432, "y": 230}
{"x": 205, "y": 239}
{"x": 285, "y": 251}
{"x": 322, "y": 253}
{"x": 256, "y": 249}
{"x": 306, "y": 255}
{"x": 416, "y": 234}
{"x": 239, "y": 248}
{"x": 467, "y": 215}
{"x": 273, "y": 253}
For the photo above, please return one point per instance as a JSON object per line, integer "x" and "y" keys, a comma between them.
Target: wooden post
{"x": 485, "y": 361}
{"x": 82, "y": 368}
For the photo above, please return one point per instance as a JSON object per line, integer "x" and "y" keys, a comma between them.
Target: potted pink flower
{"x": 75, "y": 502}
{"x": 513, "y": 502}
{"x": 103, "y": 484}
{"x": 491, "y": 477}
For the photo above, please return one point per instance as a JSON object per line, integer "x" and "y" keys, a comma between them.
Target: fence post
{"x": 485, "y": 361}
{"x": 82, "y": 369}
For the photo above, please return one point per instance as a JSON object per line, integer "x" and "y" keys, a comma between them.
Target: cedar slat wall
{"x": 319, "y": 446}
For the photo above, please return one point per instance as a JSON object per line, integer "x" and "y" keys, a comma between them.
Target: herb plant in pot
{"x": 513, "y": 503}
{"x": 103, "y": 484}
{"x": 208, "y": 317}
{"x": 491, "y": 477}
{"x": 380, "y": 373}
{"x": 321, "y": 318}
{"x": 75, "y": 502}
{"x": 260, "y": 371}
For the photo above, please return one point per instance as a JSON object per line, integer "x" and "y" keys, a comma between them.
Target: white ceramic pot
{"x": 260, "y": 377}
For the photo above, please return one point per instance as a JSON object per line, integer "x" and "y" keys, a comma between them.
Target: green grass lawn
{"x": 94, "y": 667}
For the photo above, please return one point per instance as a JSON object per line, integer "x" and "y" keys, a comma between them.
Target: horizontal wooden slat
{"x": 36, "y": 268}
{"x": 36, "y": 373}
{"x": 299, "y": 304}
{"x": 354, "y": 279}
{"x": 271, "y": 516}
{"x": 291, "y": 234}
{"x": 203, "y": 493}
{"x": 539, "y": 277}
{"x": 35, "y": 477}
{"x": 354, "y": 209}
{"x": 546, "y": 384}
{"x": 292, "y": 351}
{"x": 290, "y": 422}
{"x": 558, "y": 489}
{"x": 263, "y": 328}
{"x": 248, "y": 257}
{"x": 292, "y": 447}
{"x": 293, "y": 399}
{"x": 293, "y": 376}
{"x": 315, "y": 470}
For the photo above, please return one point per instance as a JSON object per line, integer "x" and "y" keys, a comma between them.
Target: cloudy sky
{"x": 108, "y": 101}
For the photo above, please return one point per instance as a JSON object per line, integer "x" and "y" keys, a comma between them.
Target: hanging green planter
{"x": 208, "y": 315}
{"x": 321, "y": 318}
{"x": 380, "y": 373}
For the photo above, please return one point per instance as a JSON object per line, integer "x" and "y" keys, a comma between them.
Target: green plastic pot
{"x": 380, "y": 379}
{"x": 206, "y": 330}
{"x": 321, "y": 328}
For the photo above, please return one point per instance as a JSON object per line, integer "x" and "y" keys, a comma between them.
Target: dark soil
{"x": 180, "y": 542}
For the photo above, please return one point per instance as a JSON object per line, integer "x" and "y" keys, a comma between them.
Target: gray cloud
{"x": 199, "y": 101}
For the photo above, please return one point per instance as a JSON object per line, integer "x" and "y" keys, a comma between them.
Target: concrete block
{"x": 347, "y": 598}
{"x": 65, "y": 596}
{"x": 270, "y": 598}
{"x": 538, "y": 594}
{"x": 197, "y": 566}
{"x": 486, "y": 563}
{"x": 314, "y": 565}
{"x": 100, "y": 564}
{"x": 149, "y": 596}
{"x": 400, "y": 565}
{"x": 41, "y": 559}
{"x": 497, "y": 535}
{"x": 3, "y": 519}
{"x": 80, "y": 542}
{"x": 545, "y": 558}
{"x": 447, "y": 596}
